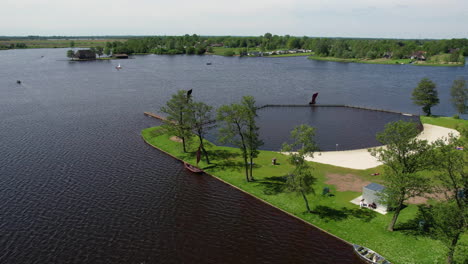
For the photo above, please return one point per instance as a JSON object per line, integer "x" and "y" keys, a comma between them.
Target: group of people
{"x": 371, "y": 205}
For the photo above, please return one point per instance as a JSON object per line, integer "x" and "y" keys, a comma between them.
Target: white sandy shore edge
{"x": 361, "y": 159}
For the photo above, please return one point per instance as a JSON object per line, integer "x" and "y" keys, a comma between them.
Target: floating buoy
{"x": 18, "y": 82}
{"x": 118, "y": 67}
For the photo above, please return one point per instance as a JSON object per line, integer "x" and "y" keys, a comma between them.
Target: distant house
{"x": 388, "y": 55}
{"x": 120, "y": 56}
{"x": 255, "y": 53}
{"x": 217, "y": 45}
{"x": 419, "y": 55}
{"x": 85, "y": 55}
{"x": 371, "y": 194}
{"x": 451, "y": 51}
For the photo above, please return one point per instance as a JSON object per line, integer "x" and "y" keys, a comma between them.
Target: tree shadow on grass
{"x": 272, "y": 185}
{"x": 329, "y": 213}
{"x": 365, "y": 215}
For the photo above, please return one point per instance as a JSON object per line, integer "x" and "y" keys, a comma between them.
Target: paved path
{"x": 361, "y": 159}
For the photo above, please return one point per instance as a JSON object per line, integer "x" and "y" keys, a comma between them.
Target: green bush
{"x": 229, "y": 53}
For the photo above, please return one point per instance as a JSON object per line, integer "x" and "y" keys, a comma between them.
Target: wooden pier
{"x": 162, "y": 118}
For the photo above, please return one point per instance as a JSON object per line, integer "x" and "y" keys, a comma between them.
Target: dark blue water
{"x": 78, "y": 185}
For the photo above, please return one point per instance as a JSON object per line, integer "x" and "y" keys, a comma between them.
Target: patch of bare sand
{"x": 422, "y": 200}
{"x": 176, "y": 139}
{"x": 347, "y": 182}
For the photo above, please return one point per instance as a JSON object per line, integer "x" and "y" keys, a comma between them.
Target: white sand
{"x": 361, "y": 159}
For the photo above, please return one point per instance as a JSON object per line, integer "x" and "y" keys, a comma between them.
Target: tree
{"x": 447, "y": 223}
{"x": 450, "y": 217}
{"x": 72, "y": 44}
{"x": 251, "y": 134}
{"x": 459, "y": 93}
{"x": 107, "y": 50}
{"x": 70, "y": 54}
{"x": 233, "y": 123}
{"x": 99, "y": 51}
{"x": 301, "y": 179}
{"x": 404, "y": 156}
{"x": 202, "y": 121}
{"x": 425, "y": 95}
{"x": 178, "y": 115}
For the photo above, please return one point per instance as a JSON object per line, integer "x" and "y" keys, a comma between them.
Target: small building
{"x": 120, "y": 56}
{"x": 419, "y": 55}
{"x": 217, "y": 45}
{"x": 388, "y": 55}
{"x": 372, "y": 194}
{"x": 85, "y": 55}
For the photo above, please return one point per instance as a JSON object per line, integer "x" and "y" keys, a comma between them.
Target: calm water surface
{"x": 78, "y": 185}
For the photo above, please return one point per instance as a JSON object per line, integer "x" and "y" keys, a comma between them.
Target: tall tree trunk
{"x": 306, "y": 201}
{"x": 244, "y": 152}
{"x": 251, "y": 169}
{"x": 203, "y": 149}
{"x": 246, "y": 167}
{"x": 395, "y": 217}
{"x": 452, "y": 247}
{"x": 183, "y": 144}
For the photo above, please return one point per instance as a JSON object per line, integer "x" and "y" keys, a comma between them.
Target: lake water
{"x": 78, "y": 185}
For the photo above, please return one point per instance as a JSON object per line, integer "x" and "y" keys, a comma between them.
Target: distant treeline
{"x": 325, "y": 47}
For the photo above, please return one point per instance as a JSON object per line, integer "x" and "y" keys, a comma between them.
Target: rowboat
{"x": 192, "y": 168}
{"x": 369, "y": 255}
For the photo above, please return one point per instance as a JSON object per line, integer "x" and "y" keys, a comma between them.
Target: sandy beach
{"x": 361, "y": 159}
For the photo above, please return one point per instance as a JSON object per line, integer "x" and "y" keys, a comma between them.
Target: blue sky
{"x": 330, "y": 18}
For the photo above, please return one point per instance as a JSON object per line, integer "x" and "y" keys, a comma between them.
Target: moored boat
{"x": 192, "y": 168}
{"x": 369, "y": 255}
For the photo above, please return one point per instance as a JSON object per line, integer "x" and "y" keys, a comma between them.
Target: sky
{"x": 438, "y": 19}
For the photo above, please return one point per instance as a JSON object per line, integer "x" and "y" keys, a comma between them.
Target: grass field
{"x": 334, "y": 214}
{"x": 385, "y": 61}
{"x": 60, "y": 43}
{"x": 443, "y": 121}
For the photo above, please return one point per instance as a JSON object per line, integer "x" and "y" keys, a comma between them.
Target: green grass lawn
{"x": 334, "y": 214}
{"x": 443, "y": 121}
{"x": 384, "y": 61}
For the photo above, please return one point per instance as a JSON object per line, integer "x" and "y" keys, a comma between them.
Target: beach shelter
{"x": 370, "y": 194}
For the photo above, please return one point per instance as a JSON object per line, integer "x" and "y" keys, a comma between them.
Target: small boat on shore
{"x": 369, "y": 255}
{"x": 192, "y": 168}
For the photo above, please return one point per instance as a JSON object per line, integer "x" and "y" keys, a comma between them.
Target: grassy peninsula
{"x": 334, "y": 214}
{"x": 436, "y": 61}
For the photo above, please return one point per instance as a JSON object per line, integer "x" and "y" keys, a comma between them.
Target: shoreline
{"x": 253, "y": 196}
{"x": 382, "y": 62}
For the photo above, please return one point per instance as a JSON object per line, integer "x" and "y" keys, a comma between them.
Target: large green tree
{"x": 178, "y": 115}
{"x": 232, "y": 124}
{"x": 252, "y": 131}
{"x": 70, "y": 54}
{"x": 450, "y": 217}
{"x": 99, "y": 51}
{"x": 404, "y": 156}
{"x": 425, "y": 95}
{"x": 447, "y": 223}
{"x": 301, "y": 180}
{"x": 237, "y": 126}
{"x": 201, "y": 122}
{"x": 459, "y": 93}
